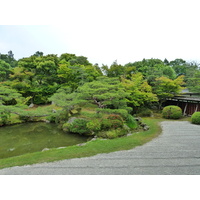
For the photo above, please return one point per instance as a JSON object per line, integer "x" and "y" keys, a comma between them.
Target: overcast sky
{"x": 103, "y": 31}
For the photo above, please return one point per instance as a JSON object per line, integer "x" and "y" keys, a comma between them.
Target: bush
{"x": 61, "y": 116}
{"x": 4, "y": 118}
{"x": 106, "y": 124}
{"x": 66, "y": 127}
{"x": 122, "y": 112}
{"x": 112, "y": 121}
{"x": 145, "y": 112}
{"x": 52, "y": 117}
{"x": 79, "y": 126}
{"x": 196, "y": 118}
{"x": 115, "y": 117}
{"x": 131, "y": 122}
{"x": 94, "y": 125}
{"x": 111, "y": 134}
{"x": 172, "y": 112}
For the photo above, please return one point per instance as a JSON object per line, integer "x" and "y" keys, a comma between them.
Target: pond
{"x": 31, "y": 137}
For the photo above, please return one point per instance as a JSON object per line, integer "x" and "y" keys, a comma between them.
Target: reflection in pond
{"x": 31, "y": 137}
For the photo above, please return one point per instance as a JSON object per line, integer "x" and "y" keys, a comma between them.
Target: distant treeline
{"x": 40, "y": 76}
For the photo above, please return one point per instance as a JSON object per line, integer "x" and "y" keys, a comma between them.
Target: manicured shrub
{"x": 196, "y": 118}
{"x": 115, "y": 117}
{"x": 112, "y": 121}
{"x": 172, "y": 112}
{"x": 122, "y": 112}
{"x": 113, "y": 133}
{"x": 106, "y": 124}
{"x": 94, "y": 125}
{"x": 79, "y": 126}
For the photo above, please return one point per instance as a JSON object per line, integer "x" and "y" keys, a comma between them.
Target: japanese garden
{"x": 57, "y": 107}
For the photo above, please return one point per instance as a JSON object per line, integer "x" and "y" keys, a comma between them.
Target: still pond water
{"x": 31, "y": 137}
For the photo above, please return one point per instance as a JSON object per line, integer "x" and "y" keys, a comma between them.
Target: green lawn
{"x": 91, "y": 148}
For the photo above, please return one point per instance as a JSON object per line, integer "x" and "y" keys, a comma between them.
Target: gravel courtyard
{"x": 175, "y": 152}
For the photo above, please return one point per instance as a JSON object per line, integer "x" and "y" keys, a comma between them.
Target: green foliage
{"x": 61, "y": 116}
{"x": 8, "y": 94}
{"x": 94, "y": 125}
{"x": 115, "y": 117}
{"x": 5, "y": 70}
{"x": 144, "y": 112}
{"x": 9, "y": 58}
{"x": 172, "y": 112}
{"x": 167, "y": 88}
{"x": 4, "y": 117}
{"x": 131, "y": 122}
{"x": 52, "y": 118}
{"x": 122, "y": 112}
{"x": 89, "y": 115}
{"x": 92, "y": 148}
{"x": 113, "y": 133}
{"x": 79, "y": 126}
{"x": 115, "y": 70}
{"x": 104, "y": 92}
{"x": 68, "y": 101}
{"x": 140, "y": 91}
{"x": 111, "y": 122}
{"x": 194, "y": 82}
{"x": 196, "y": 118}
{"x": 66, "y": 127}
{"x": 26, "y": 118}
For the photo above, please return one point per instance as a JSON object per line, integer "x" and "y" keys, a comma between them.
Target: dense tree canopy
{"x": 44, "y": 78}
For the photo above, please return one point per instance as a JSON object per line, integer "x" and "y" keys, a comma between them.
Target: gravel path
{"x": 176, "y": 151}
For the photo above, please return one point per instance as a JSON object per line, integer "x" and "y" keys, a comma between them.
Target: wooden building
{"x": 188, "y": 102}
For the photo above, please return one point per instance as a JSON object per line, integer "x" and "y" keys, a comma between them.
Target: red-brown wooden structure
{"x": 188, "y": 102}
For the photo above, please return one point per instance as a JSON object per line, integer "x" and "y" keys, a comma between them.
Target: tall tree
{"x": 104, "y": 92}
{"x": 140, "y": 91}
{"x": 5, "y": 70}
{"x": 167, "y": 88}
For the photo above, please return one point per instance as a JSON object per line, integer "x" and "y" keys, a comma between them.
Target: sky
{"x": 103, "y": 31}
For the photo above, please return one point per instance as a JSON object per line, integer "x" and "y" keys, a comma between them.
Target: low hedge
{"x": 172, "y": 112}
{"x": 196, "y": 118}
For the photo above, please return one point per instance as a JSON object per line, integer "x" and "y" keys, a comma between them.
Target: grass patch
{"x": 90, "y": 149}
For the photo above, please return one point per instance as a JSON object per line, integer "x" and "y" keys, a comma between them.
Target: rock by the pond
{"x": 93, "y": 139}
{"x": 12, "y": 149}
{"x": 71, "y": 120}
{"x": 45, "y": 149}
{"x": 145, "y": 128}
{"x": 45, "y": 120}
{"x": 61, "y": 147}
{"x": 138, "y": 119}
{"x": 82, "y": 144}
{"x": 31, "y": 105}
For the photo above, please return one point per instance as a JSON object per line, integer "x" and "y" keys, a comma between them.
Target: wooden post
{"x": 196, "y": 108}
{"x": 184, "y": 113}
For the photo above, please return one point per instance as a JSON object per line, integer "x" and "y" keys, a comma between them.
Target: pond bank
{"x": 25, "y": 138}
{"x": 91, "y": 147}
